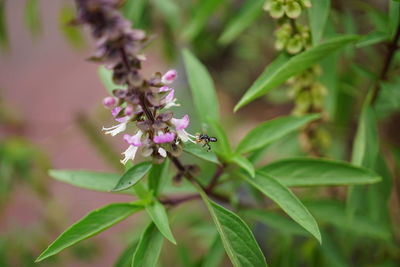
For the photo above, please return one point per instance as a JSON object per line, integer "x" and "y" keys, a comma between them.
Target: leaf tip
{"x": 237, "y": 107}
{"x": 41, "y": 257}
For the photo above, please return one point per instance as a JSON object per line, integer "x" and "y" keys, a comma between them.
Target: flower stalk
{"x": 144, "y": 103}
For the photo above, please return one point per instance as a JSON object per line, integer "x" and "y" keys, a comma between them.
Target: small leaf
{"x": 158, "y": 177}
{"x": 372, "y": 38}
{"x": 246, "y": 15}
{"x": 103, "y": 182}
{"x": 132, "y": 176}
{"x": 92, "y": 224}
{"x": 236, "y": 236}
{"x": 278, "y": 73}
{"x": 215, "y": 254}
{"x": 149, "y": 248}
{"x": 201, "y": 152}
{"x": 159, "y": 216}
{"x": 318, "y": 15}
{"x": 317, "y": 172}
{"x": 270, "y": 131}
{"x": 203, "y": 12}
{"x": 106, "y": 78}
{"x": 202, "y": 86}
{"x": 245, "y": 164}
{"x": 282, "y": 196}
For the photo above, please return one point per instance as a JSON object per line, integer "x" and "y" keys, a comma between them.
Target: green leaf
{"x": 106, "y": 78}
{"x": 132, "y": 176}
{"x": 158, "y": 177}
{"x": 72, "y": 34}
{"x": 281, "y": 71}
{"x": 388, "y": 100}
{"x": 202, "y": 14}
{"x": 278, "y": 222}
{"x": 270, "y": 131}
{"x": 364, "y": 153}
{"x": 222, "y": 146}
{"x": 32, "y": 17}
{"x": 203, "y": 91}
{"x": 394, "y": 18}
{"x": 159, "y": 216}
{"x": 170, "y": 10}
{"x": 125, "y": 259}
{"x": 92, "y": 224}
{"x": 214, "y": 254}
{"x": 318, "y": 172}
{"x": 133, "y": 10}
{"x": 3, "y": 25}
{"x": 246, "y": 15}
{"x": 245, "y": 164}
{"x": 318, "y": 15}
{"x": 149, "y": 248}
{"x": 269, "y": 71}
{"x": 103, "y": 182}
{"x": 372, "y": 38}
{"x": 236, "y": 236}
{"x": 334, "y": 213}
{"x": 201, "y": 152}
{"x": 288, "y": 201}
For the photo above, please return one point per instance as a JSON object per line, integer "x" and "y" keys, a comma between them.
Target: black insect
{"x": 205, "y": 140}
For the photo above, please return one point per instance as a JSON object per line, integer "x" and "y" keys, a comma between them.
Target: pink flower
{"x": 134, "y": 143}
{"x": 116, "y": 111}
{"x": 129, "y": 111}
{"x": 164, "y": 138}
{"x": 109, "y": 102}
{"x": 134, "y": 140}
{"x": 168, "y": 100}
{"x": 181, "y": 124}
{"x": 169, "y": 77}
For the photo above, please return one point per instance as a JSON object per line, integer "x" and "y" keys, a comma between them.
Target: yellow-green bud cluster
{"x": 313, "y": 137}
{"x": 308, "y": 94}
{"x": 291, "y": 8}
{"x": 292, "y": 37}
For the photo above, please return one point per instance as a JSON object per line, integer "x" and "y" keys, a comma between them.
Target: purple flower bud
{"x": 109, "y": 102}
{"x": 164, "y": 138}
{"x": 129, "y": 111}
{"x": 169, "y": 77}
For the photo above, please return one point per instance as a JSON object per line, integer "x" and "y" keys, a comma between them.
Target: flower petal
{"x": 181, "y": 124}
{"x": 130, "y": 153}
{"x": 169, "y": 77}
{"x": 164, "y": 138}
{"x": 162, "y": 152}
